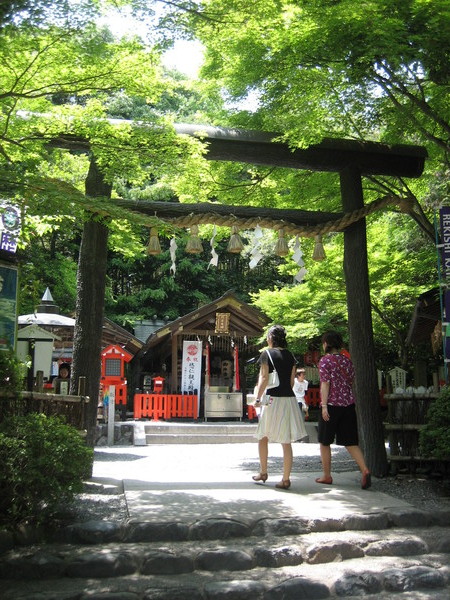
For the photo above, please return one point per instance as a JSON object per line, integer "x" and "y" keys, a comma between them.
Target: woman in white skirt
{"x": 280, "y": 420}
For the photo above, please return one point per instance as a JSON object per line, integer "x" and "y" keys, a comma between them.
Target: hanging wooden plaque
{"x": 222, "y": 322}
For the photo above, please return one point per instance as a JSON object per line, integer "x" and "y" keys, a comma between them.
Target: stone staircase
{"x": 399, "y": 554}
{"x": 159, "y": 432}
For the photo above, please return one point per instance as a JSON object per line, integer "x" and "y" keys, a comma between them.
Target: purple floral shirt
{"x": 339, "y": 371}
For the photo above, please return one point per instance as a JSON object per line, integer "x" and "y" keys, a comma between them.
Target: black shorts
{"x": 342, "y": 425}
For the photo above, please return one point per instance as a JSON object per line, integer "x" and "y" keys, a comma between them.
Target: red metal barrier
{"x": 165, "y": 406}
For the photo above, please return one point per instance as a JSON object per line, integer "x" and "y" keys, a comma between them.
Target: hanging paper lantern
{"x": 235, "y": 245}
{"x": 154, "y": 246}
{"x": 281, "y": 247}
{"x": 319, "y": 252}
{"x": 194, "y": 245}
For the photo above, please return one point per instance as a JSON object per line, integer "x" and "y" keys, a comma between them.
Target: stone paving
{"x": 199, "y": 528}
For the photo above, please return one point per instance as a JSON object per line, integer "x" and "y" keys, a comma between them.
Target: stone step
{"x": 206, "y": 433}
{"x": 199, "y": 433}
{"x": 364, "y": 563}
{"x": 199, "y": 438}
{"x": 223, "y": 528}
{"x": 192, "y": 428}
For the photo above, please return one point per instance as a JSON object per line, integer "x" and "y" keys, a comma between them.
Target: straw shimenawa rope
{"x": 289, "y": 228}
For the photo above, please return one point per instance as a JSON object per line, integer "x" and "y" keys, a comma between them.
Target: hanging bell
{"x": 194, "y": 245}
{"x": 281, "y": 247}
{"x": 235, "y": 245}
{"x": 319, "y": 251}
{"x": 154, "y": 246}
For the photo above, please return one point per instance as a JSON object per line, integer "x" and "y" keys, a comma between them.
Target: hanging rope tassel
{"x": 194, "y": 245}
{"x": 319, "y": 251}
{"x": 154, "y": 247}
{"x": 235, "y": 245}
{"x": 281, "y": 247}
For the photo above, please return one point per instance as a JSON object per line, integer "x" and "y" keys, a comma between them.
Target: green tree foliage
{"x": 369, "y": 70}
{"x": 402, "y": 264}
{"x": 36, "y": 12}
{"x": 375, "y": 64}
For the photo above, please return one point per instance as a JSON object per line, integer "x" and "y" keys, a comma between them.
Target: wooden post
{"x": 174, "y": 382}
{"x": 81, "y": 385}
{"x": 30, "y": 372}
{"x": 360, "y": 326}
{"x": 39, "y": 385}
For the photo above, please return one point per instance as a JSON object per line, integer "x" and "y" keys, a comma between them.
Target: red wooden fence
{"x": 312, "y": 397}
{"x": 165, "y": 406}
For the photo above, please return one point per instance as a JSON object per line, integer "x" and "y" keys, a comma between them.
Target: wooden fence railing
{"x": 71, "y": 408}
{"x": 405, "y": 418}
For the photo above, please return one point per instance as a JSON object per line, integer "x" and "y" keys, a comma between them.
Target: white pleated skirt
{"x": 281, "y": 421}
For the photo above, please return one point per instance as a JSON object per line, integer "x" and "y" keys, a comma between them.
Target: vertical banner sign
{"x": 8, "y": 306}
{"x": 191, "y": 374}
{"x": 10, "y": 224}
{"x": 444, "y": 216}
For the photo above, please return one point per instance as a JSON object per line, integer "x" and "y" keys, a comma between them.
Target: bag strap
{"x": 271, "y": 360}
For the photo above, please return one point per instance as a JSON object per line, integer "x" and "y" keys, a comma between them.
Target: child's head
{"x": 64, "y": 371}
{"x": 300, "y": 373}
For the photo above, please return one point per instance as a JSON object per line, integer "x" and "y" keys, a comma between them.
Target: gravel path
{"x": 424, "y": 491}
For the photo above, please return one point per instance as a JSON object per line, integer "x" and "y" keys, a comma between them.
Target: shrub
{"x": 12, "y": 372}
{"x": 43, "y": 464}
{"x": 435, "y": 436}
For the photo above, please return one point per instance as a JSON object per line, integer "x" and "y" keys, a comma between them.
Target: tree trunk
{"x": 91, "y": 278}
{"x": 360, "y": 328}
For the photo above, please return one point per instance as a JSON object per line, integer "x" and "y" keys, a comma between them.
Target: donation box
{"x": 113, "y": 371}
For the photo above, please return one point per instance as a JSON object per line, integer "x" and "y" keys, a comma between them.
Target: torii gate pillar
{"x": 360, "y": 312}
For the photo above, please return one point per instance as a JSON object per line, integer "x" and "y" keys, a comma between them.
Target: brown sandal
{"x": 284, "y": 484}
{"x": 261, "y": 477}
{"x": 325, "y": 480}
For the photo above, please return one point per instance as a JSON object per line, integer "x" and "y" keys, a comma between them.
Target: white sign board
{"x": 191, "y": 374}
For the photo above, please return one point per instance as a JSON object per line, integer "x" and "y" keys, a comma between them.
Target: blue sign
{"x": 10, "y": 225}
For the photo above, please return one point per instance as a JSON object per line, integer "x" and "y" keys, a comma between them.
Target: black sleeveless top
{"x": 283, "y": 361}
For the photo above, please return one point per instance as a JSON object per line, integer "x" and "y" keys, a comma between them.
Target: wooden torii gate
{"x": 351, "y": 160}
